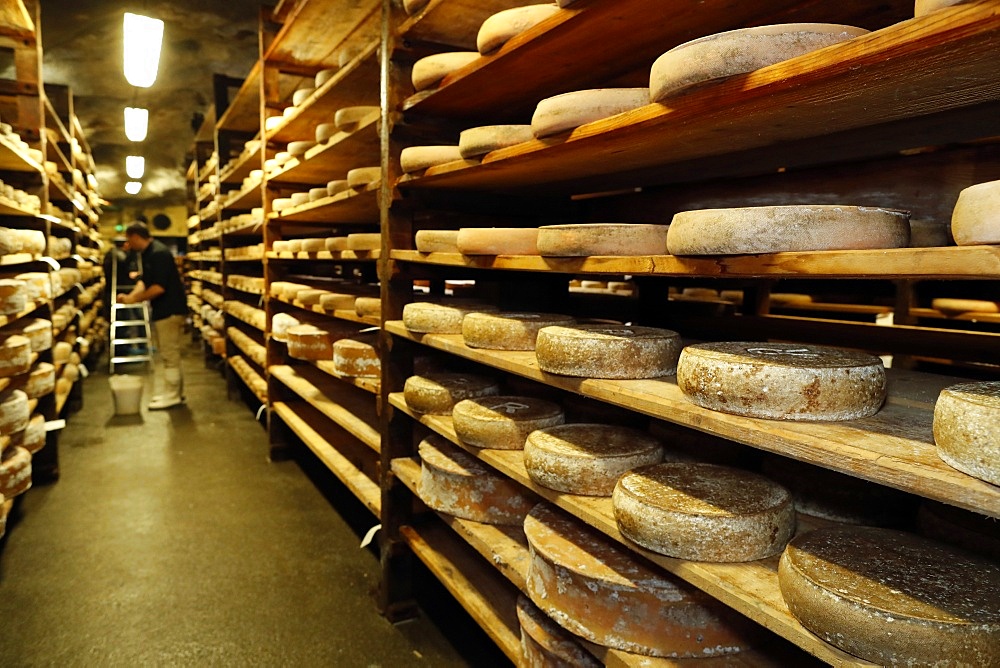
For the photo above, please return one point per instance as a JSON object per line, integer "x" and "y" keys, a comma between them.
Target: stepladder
{"x": 130, "y": 332}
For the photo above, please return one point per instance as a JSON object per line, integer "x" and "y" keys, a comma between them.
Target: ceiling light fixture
{"x": 133, "y": 187}
{"x": 135, "y": 166}
{"x": 143, "y": 37}
{"x": 136, "y": 122}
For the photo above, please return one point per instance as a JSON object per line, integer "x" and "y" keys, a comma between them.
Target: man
{"x": 160, "y": 284}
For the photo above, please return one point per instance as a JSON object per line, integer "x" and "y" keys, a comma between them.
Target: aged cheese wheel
{"x": 301, "y": 95}
{"x": 498, "y": 241}
{"x": 15, "y": 472}
{"x": 364, "y": 241}
{"x": 893, "y": 598}
{"x": 298, "y": 148}
{"x": 970, "y": 531}
{"x": 437, "y": 393}
{"x": 502, "y": 26}
{"x": 739, "y": 51}
{"x": 294, "y": 245}
{"x": 357, "y": 357}
{"x": 325, "y": 75}
{"x": 281, "y": 203}
{"x": 601, "y": 592}
{"x": 334, "y": 301}
{"x": 277, "y": 288}
{"x": 775, "y": 229}
{"x": 782, "y": 381}
{"x": 281, "y": 157}
{"x": 602, "y": 239}
{"x": 571, "y": 110}
{"x": 953, "y": 306}
{"x": 704, "y": 512}
{"x": 325, "y": 131}
{"x": 475, "y": 142}
{"x": 10, "y": 241}
{"x": 13, "y": 296}
{"x": 349, "y": 119}
{"x": 32, "y": 241}
{"x": 454, "y": 482}
{"x": 413, "y": 6}
{"x": 308, "y": 342}
{"x": 337, "y": 186}
{"x": 587, "y": 458}
{"x": 14, "y": 412}
{"x": 508, "y": 330}
{"x": 15, "y": 356}
{"x": 32, "y": 437}
{"x": 368, "y": 306}
{"x": 429, "y": 318}
{"x": 363, "y": 177}
{"x": 436, "y": 241}
{"x": 922, "y": 7}
{"x": 545, "y": 644}
{"x": 280, "y": 324}
{"x": 71, "y": 372}
{"x": 290, "y": 290}
{"x": 967, "y": 429}
{"x": 429, "y": 71}
{"x": 336, "y": 244}
{"x": 417, "y": 158}
{"x": 316, "y": 194}
{"x": 314, "y": 245}
{"x": 298, "y": 199}
{"x": 608, "y": 351}
{"x": 310, "y": 296}
{"x": 41, "y": 381}
{"x": 503, "y": 422}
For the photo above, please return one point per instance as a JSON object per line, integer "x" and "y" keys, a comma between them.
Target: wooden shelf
{"x": 350, "y": 206}
{"x": 344, "y": 152}
{"x": 338, "y": 256}
{"x": 17, "y": 258}
{"x": 340, "y": 314}
{"x": 247, "y": 376}
{"x": 15, "y": 20}
{"x": 30, "y": 308}
{"x": 452, "y": 22}
{"x": 243, "y": 112}
{"x": 235, "y": 315}
{"x": 241, "y": 166}
{"x": 366, "y": 384}
{"x": 243, "y": 199}
{"x": 313, "y": 34}
{"x": 13, "y": 159}
{"x": 9, "y": 208}
{"x": 895, "y": 447}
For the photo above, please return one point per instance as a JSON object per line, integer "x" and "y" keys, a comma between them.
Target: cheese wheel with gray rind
{"x": 782, "y": 381}
{"x": 13, "y": 296}
{"x": 585, "y": 458}
{"x": 417, "y": 158}
{"x": 454, "y": 482}
{"x": 775, "y": 229}
{"x": 962, "y": 528}
{"x": 14, "y": 412}
{"x": 357, "y": 357}
{"x": 951, "y": 306}
{"x": 437, "y": 393}
{"x": 571, "y": 110}
{"x": 364, "y": 241}
{"x": 603, "y": 593}
{"x": 349, "y": 119}
{"x": 893, "y": 598}
{"x": 545, "y": 644}
{"x": 308, "y": 342}
{"x": 32, "y": 437}
{"x": 280, "y": 324}
{"x": 363, "y": 177}
{"x": 602, "y": 239}
{"x": 739, "y": 51}
{"x": 967, "y": 429}
{"x": 503, "y": 422}
{"x": 502, "y": 26}
{"x": 923, "y": 7}
{"x": 41, "y": 381}
{"x": 430, "y": 70}
{"x": 498, "y": 241}
{"x": 475, "y": 142}
{"x": 436, "y": 241}
{"x": 15, "y": 472}
{"x": 508, "y": 330}
{"x": 430, "y": 318}
{"x": 15, "y": 356}
{"x": 608, "y": 351}
{"x": 368, "y": 306}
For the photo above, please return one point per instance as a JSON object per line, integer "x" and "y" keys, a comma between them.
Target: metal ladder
{"x": 124, "y": 316}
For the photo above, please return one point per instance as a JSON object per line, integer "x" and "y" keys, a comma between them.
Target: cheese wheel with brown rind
{"x": 32, "y": 437}
{"x": 417, "y": 158}
{"x": 607, "y": 351}
{"x": 782, "y": 381}
{"x": 430, "y": 318}
{"x": 602, "y": 239}
{"x": 357, "y": 357}
{"x": 13, "y": 296}
{"x": 336, "y": 187}
{"x": 504, "y": 25}
{"x": 280, "y": 324}
{"x": 39, "y": 332}
{"x": 436, "y": 241}
{"x": 545, "y": 644}
{"x": 14, "y": 412}
{"x": 308, "y": 342}
{"x": 454, "y": 482}
{"x": 15, "y": 356}
{"x": 923, "y": 7}
{"x": 15, "y": 472}
{"x": 310, "y": 296}
{"x": 776, "y": 229}
{"x": 508, "y": 330}
{"x": 431, "y": 70}
{"x": 503, "y": 422}
{"x": 967, "y": 429}
{"x": 893, "y": 598}
{"x": 41, "y": 381}
{"x": 437, "y": 393}
{"x": 314, "y": 245}
{"x": 571, "y": 110}
{"x": 976, "y": 216}
{"x": 498, "y": 241}
{"x": 368, "y": 306}
{"x": 479, "y": 141}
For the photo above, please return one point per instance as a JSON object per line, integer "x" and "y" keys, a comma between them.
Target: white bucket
{"x": 127, "y": 391}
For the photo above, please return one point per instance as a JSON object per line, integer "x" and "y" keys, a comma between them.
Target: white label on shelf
{"x": 80, "y": 340}
{"x": 52, "y": 263}
{"x": 83, "y": 371}
{"x": 263, "y": 407}
{"x": 55, "y": 425}
{"x": 366, "y": 541}
{"x": 76, "y": 256}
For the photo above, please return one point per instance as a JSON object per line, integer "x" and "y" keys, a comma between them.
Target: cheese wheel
{"x": 13, "y": 296}
{"x": 41, "y": 381}
{"x": 15, "y": 472}
{"x": 325, "y": 75}
{"x": 607, "y": 351}
{"x": 277, "y": 288}
{"x": 498, "y": 241}
{"x": 32, "y": 241}
{"x": 5, "y": 507}
{"x": 502, "y": 26}
{"x": 923, "y": 7}
{"x": 357, "y": 357}
{"x": 294, "y": 245}
{"x": 775, "y": 229}
{"x": 71, "y": 372}
{"x": 364, "y": 241}
{"x": 602, "y": 239}
{"x": 508, "y": 330}
{"x": 298, "y": 199}
{"x": 291, "y": 290}
{"x": 417, "y": 158}
{"x": 337, "y": 186}
{"x": 428, "y": 318}
{"x": 301, "y": 95}
{"x": 503, "y": 422}
{"x": 601, "y": 592}
{"x": 14, "y": 412}
{"x": 314, "y": 245}
{"x": 310, "y": 296}
{"x": 363, "y": 177}
{"x": 281, "y": 157}
{"x": 966, "y": 420}
{"x": 456, "y": 483}
{"x": 967, "y": 530}
{"x": 336, "y": 244}
{"x": 954, "y": 306}
{"x": 324, "y": 131}
{"x": 545, "y": 644}
{"x": 334, "y": 301}
{"x": 349, "y": 119}
{"x": 739, "y": 51}
{"x": 368, "y": 306}
{"x": 436, "y": 241}
{"x": 15, "y": 356}
{"x": 10, "y": 241}
{"x": 413, "y": 6}
{"x": 782, "y": 381}
{"x": 437, "y": 393}
{"x": 347, "y": 54}
{"x": 280, "y": 324}
{"x": 308, "y": 342}
{"x": 298, "y": 148}
{"x": 281, "y": 203}
{"x": 316, "y": 194}
{"x": 32, "y": 437}
{"x": 475, "y": 142}
{"x": 571, "y": 110}
{"x": 430, "y": 70}
{"x": 893, "y": 598}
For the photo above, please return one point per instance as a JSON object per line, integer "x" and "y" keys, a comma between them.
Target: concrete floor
{"x": 171, "y": 540}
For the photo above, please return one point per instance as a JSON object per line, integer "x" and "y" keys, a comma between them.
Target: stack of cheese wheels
{"x": 431, "y": 318}
{"x": 479, "y": 141}
{"x": 429, "y": 71}
{"x": 966, "y": 419}
{"x": 436, "y": 241}
{"x": 418, "y": 158}
{"x": 15, "y": 472}
{"x": 587, "y": 458}
{"x": 503, "y": 422}
{"x": 571, "y": 110}
{"x": 774, "y": 229}
{"x": 38, "y": 284}
{"x": 502, "y": 26}
{"x": 588, "y": 239}
{"x": 607, "y": 351}
{"x": 454, "y": 482}
{"x": 309, "y": 342}
{"x": 704, "y": 512}
{"x": 976, "y": 217}
{"x": 357, "y": 357}
{"x": 497, "y": 241}
{"x": 544, "y": 643}
{"x": 782, "y": 381}
{"x": 32, "y": 437}
{"x": 970, "y": 531}
{"x": 41, "y": 381}
{"x": 14, "y": 412}
{"x": 15, "y": 356}
{"x": 602, "y": 593}
{"x": 508, "y": 330}
{"x": 739, "y": 51}
{"x": 894, "y": 598}
{"x": 13, "y": 296}
{"x": 437, "y": 393}
{"x": 280, "y": 324}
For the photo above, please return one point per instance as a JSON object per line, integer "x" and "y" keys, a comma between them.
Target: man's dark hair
{"x": 138, "y": 229}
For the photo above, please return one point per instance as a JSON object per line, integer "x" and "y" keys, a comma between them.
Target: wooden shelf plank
{"x": 15, "y": 20}
{"x": 243, "y": 112}
{"x": 313, "y": 34}
{"x": 895, "y": 447}
{"x": 13, "y": 159}
{"x": 247, "y": 376}
{"x": 350, "y": 206}
{"x": 241, "y": 166}
{"x": 332, "y": 160}
{"x": 243, "y": 199}
{"x": 10, "y": 208}
{"x": 366, "y": 384}
{"x": 232, "y": 313}
{"x": 452, "y": 22}
{"x": 253, "y": 350}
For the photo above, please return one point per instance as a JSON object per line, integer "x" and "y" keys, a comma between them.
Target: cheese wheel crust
{"x": 357, "y": 357}
{"x": 607, "y": 351}
{"x": 976, "y": 217}
{"x": 893, "y": 598}
{"x": 15, "y": 472}
{"x": 704, "y": 512}
{"x": 967, "y": 429}
{"x": 430, "y": 318}
{"x": 503, "y": 422}
{"x": 782, "y": 381}
{"x": 545, "y": 644}
{"x": 436, "y": 241}
{"x": 502, "y": 26}
{"x": 508, "y": 330}
{"x": 571, "y": 110}
{"x": 431, "y": 70}
{"x": 497, "y": 241}
{"x": 437, "y": 393}
{"x": 602, "y": 239}
{"x": 481, "y": 140}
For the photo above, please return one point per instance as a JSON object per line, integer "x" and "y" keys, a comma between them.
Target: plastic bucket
{"x": 127, "y": 391}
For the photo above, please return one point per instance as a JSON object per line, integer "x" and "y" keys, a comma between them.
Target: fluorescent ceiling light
{"x": 135, "y": 166}
{"x": 136, "y": 121}
{"x": 143, "y": 37}
{"x": 133, "y": 187}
